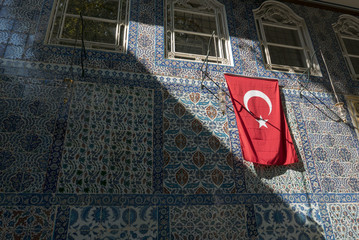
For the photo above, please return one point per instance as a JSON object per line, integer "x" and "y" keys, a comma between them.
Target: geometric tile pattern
{"x": 345, "y": 220}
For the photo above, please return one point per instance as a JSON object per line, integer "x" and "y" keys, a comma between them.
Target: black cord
{"x": 307, "y": 73}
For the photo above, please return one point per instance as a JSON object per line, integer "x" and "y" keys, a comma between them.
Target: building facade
{"x": 108, "y": 133}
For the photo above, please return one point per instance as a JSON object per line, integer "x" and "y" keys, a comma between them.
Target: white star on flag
{"x": 262, "y": 122}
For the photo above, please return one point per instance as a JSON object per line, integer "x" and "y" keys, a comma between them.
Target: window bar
{"x": 125, "y": 19}
{"x": 303, "y": 42}
{"x": 264, "y": 43}
{"x": 54, "y": 22}
{"x": 63, "y": 19}
{"x": 205, "y": 74}
{"x": 119, "y": 11}
{"x": 173, "y": 39}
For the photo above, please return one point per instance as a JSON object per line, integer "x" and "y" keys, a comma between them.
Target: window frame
{"x": 265, "y": 16}
{"x": 222, "y": 40}
{"x": 343, "y": 28}
{"x": 354, "y": 114}
{"x": 121, "y": 32}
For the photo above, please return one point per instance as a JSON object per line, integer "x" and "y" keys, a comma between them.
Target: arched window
{"x": 347, "y": 31}
{"x": 189, "y": 26}
{"x": 284, "y": 39}
{"x": 105, "y": 24}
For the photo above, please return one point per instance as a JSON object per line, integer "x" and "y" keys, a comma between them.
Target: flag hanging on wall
{"x": 263, "y": 130}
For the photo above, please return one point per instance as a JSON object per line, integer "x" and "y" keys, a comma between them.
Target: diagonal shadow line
{"x": 239, "y": 166}
{"x": 257, "y": 118}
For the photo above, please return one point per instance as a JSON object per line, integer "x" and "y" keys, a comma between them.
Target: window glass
{"x": 352, "y": 46}
{"x": 195, "y": 27}
{"x": 282, "y": 36}
{"x": 188, "y": 43}
{"x": 347, "y": 31}
{"x": 105, "y": 23}
{"x": 287, "y": 56}
{"x": 355, "y": 63}
{"x": 194, "y": 23}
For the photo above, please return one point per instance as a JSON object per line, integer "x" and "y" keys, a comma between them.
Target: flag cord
{"x": 307, "y": 73}
{"x": 204, "y": 73}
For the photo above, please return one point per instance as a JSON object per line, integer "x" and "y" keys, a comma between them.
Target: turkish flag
{"x": 263, "y": 130}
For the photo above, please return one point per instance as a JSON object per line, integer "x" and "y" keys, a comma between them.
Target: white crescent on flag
{"x": 256, "y": 93}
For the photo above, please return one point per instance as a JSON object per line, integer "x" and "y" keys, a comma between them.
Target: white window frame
{"x": 221, "y": 35}
{"x": 60, "y": 13}
{"x": 354, "y": 114}
{"x": 276, "y": 14}
{"x": 347, "y": 27}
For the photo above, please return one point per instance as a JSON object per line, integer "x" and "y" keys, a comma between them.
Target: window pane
{"x": 352, "y": 46}
{"x": 94, "y": 8}
{"x": 94, "y": 31}
{"x": 355, "y": 63}
{"x": 356, "y": 107}
{"x": 194, "y": 44}
{"x": 282, "y": 36}
{"x": 287, "y": 56}
{"x": 198, "y": 5}
{"x": 195, "y": 23}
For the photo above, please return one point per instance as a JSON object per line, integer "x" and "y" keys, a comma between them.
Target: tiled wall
{"x": 137, "y": 149}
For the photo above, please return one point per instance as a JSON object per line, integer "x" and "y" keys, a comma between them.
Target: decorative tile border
{"x": 54, "y": 164}
{"x": 252, "y": 228}
{"x": 328, "y": 228}
{"x": 307, "y": 151}
{"x": 27, "y": 199}
{"x": 61, "y": 222}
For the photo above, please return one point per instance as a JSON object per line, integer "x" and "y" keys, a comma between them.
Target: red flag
{"x": 263, "y": 130}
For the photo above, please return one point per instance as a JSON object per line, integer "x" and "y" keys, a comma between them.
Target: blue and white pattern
{"x": 112, "y": 223}
{"x": 137, "y": 149}
{"x": 282, "y": 221}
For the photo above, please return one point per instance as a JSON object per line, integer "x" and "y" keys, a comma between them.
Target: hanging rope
{"x": 204, "y": 73}
{"x": 307, "y": 73}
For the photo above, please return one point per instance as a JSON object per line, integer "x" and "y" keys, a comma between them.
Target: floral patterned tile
{"x": 294, "y": 221}
{"x": 208, "y": 222}
{"x": 26, "y": 222}
{"x": 113, "y": 223}
{"x": 345, "y": 220}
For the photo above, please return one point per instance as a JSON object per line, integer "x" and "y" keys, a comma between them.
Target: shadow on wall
{"x": 125, "y": 133}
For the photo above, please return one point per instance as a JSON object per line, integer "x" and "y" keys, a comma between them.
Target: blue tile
{"x": 14, "y": 52}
